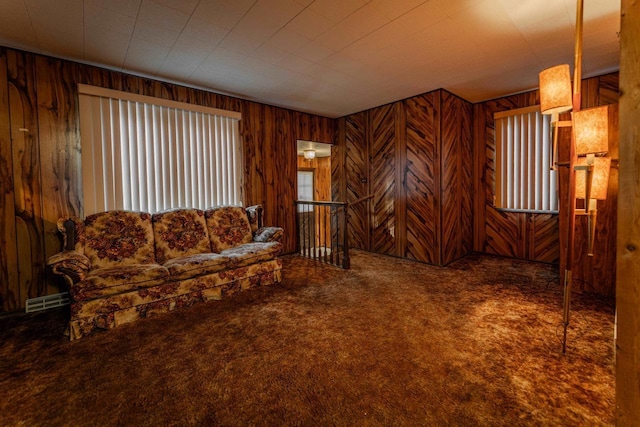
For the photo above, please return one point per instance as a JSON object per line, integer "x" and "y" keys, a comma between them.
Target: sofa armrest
{"x": 71, "y": 265}
{"x": 268, "y": 234}
{"x": 254, "y": 213}
{"x": 72, "y": 230}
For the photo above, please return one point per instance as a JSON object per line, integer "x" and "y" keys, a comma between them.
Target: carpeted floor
{"x": 389, "y": 342}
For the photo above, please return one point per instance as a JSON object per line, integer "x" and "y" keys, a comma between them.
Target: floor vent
{"x": 47, "y": 302}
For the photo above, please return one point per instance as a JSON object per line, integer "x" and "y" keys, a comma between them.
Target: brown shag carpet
{"x": 390, "y": 342}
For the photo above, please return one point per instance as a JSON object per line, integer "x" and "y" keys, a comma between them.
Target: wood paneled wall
{"x": 415, "y": 157}
{"x": 536, "y": 236}
{"x": 628, "y": 282}
{"x": 40, "y": 167}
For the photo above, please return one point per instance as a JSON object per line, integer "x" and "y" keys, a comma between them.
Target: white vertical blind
{"x": 148, "y": 154}
{"x": 524, "y": 178}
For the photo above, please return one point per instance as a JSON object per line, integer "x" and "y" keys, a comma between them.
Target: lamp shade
{"x": 600, "y": 180}
{"x": 591, "y": 130}
{"x": 555, "y": 90}
{"x": 309, "y": 154}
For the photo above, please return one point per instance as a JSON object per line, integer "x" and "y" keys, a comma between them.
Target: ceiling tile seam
{"x": 193, "y": 11}
{"x": 133, "y": 31}
{"x": 222, "y": 39}
{"x": 284, "y": 25}
{"x": 373, "y": 31}
{"x": 33, "y": 30}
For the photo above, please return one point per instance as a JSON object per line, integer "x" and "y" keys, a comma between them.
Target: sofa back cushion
{"x": 115, "y": 237}
{"x": 228, "y": 227}
{"x": 180, "y": 232}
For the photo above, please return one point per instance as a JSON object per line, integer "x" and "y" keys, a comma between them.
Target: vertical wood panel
{"x": 59, "y": 151}
{"x": 400, "y": 178}
{"x": 9, "y": 278}
{"x": 252, "y": 132}
{"x": 383, "y": 179}
{"x": 357, "y": 180}
{"x": 270, "y": 172}
{"x": 466, "y": 177}
{"x": 628, "y": 290}
{"x": 338, "y": 160}
{"x": 450, "y": 171}
{"x": 543, "y": 238}
{"x": 422, "y": 236}
{"x": 456, "y": 164}
{"x": 437, "y": 169}
{"x": 285, "y": 161}
{"x": 101, "y": 77}
{"x": 483, "y": 155}
{"x": 26, "y": 174}
{"x": 608, "y": 89}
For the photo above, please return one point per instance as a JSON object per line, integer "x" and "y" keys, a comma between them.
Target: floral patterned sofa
{"x": 121, "y": 266}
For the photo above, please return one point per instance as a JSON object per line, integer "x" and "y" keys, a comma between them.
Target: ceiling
{"x": 328, "y": 57}
{"x": 321, "y": 149}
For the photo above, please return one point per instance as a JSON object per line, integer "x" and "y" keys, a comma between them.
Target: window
{"x": 305, "y": 186}
{"x": 150, "y": 154}
{"x": 524, "y": 178}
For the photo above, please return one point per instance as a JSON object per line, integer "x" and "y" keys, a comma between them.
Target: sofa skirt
{"x": 115, "y": 310}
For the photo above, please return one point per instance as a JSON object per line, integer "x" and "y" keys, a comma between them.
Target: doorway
{"x": 314, "y": 184}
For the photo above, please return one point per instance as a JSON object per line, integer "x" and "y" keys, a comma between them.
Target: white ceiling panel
{"x": 222, "y": 14}
{"x": 97, "y": 17}
{"x": 106, "y": 47}
{"x": 15, "y": 26}
{"x": 309, "y": 24}
{"x": 331, "y": 57}
{"x": 288, "y": 40}
{"x": 336, "y": 11}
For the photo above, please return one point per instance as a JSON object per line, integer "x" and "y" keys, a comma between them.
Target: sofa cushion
{"x": 107, "y": 281}
{"x": 179, "y": 233}
{"x": 196, "y": 265}
{"x": 251, "y": 253}
{"x": 228, "y": 227}
{"x": 114, "y": 238}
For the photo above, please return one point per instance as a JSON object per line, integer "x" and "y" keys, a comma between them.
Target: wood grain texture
{"x": 597, "y": 273}
{"x": 466, "y": 177}
{"x": 57, "y": 122}
{"x": 408, "y": 171}
{"x": 339, "y": 185}
{"x": 383, "y": 179}
{"x": 400, "y": 144}
{"x": 456, "y": 176}
{"x": 422, "y": 200}
{"x": 542, "y": 238}
{"x": 26, "y": 174}
{"x": 541, "y": 234}
{"x": 338, "y": 160}
{"x": 40, "y": 170}
{"x": 502, "y": 233}
{"x": 357, "y": 180}
{"x": 628, "y": 226}
{"x": 9, "y": 277}
{"x": 483, "y": 155}
{"x": 252, "y": 133}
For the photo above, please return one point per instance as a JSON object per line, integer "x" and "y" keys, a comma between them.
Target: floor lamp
{"x": 589, "y": 138}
